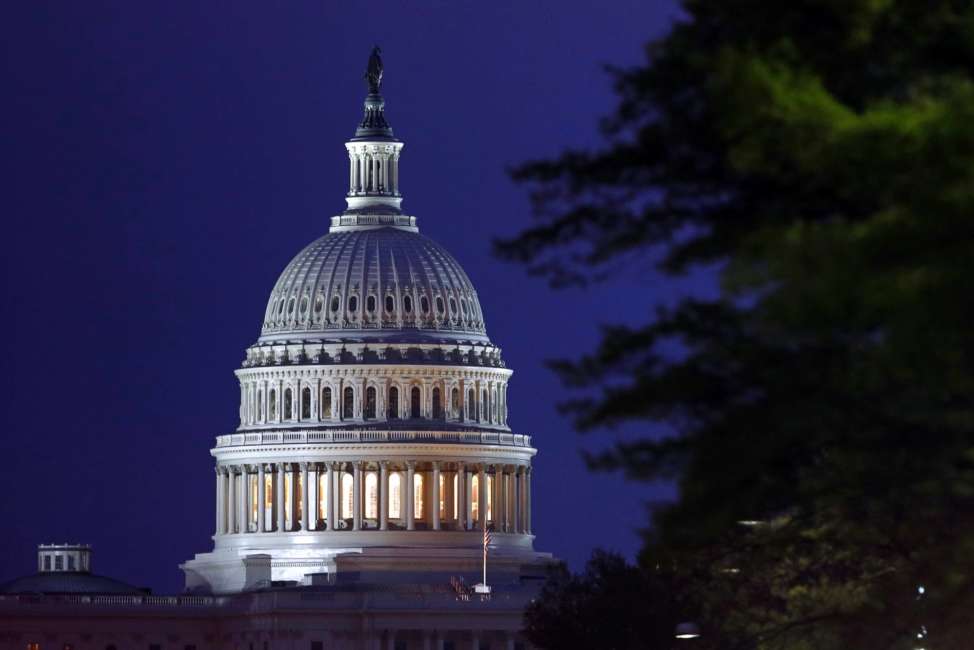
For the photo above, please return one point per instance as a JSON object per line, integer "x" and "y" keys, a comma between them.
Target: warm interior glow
{"x": 371, "y": 496}
{"x": 418, "y": 496}
{"x": 475, "y": 496}
{"x": 442, "y": 503}
{"x": 490, "y": 498}
{"x": 395, "y": 495}
{"x": 322, "y": 495}
{"x": 348, "y": 496}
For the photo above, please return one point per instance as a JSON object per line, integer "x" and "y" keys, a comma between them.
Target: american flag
{"x": 488, "y": 538}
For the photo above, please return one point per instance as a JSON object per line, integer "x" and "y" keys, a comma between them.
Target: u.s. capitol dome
{"x": 373, "y": 429}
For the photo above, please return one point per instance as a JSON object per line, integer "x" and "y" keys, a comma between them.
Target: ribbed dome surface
{"x": 381, "y": 283}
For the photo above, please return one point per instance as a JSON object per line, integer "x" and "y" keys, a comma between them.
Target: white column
{"x": 435, "y": 506}
{"x": 261, "y": 500}
{"x": 516, "y": 500}
{"x": 482, "y": 498}
{"x": 279, "y": 497}
{"x": 383, "y": 495}
{"x": 330, "y": 495}
{"x": 231, "y": 500}
{"x": 496, "y": 499}
{"x": 505, "y": 499}
{"x": 527, "y": 500}
{"x": 410, "y": 496}
{"x": 305, "y": 498}
{"x": 219, "y": 500}
{"x": 247, "y": 496}
{"x": 357, "y": 496}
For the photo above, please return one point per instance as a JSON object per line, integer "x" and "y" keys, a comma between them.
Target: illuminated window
{"x": 437, "y": 406}
{"x": 268, "y": 500}
{"x": 393, "y": 403}
{"x": 414, "y": 402}
{"x": 418, "y": 496}
{"x": 299, "y": 498}
{"x": 323, "y": 496}
{"x": 348, "y": 407}
{"x": 370, "y": 403}
{"x": 272, "y": 404}
{"x": 475, "y": 495}
{"x": 395, "y": 495}
{"x": 442, "y": 504}
{"x": 288, "y": 491}
{"x": 348, "y": 495}
{"x": 288, "y": 413}
{"x": 456, "y": 495}
{"x": 490, "y": 495}
{"x": 325, "y": 403}
{"x": 33, "y": 646}
{"x": 371, "y": 496}
{"x": 305, "y": 403}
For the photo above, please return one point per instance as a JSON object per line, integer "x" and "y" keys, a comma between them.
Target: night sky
{"x": 162, "y": 162}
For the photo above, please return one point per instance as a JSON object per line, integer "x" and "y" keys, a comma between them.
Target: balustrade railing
{"x": 293, "y": 437}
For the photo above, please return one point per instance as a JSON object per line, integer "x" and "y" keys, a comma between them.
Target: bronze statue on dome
{"x": 374, "y": 72}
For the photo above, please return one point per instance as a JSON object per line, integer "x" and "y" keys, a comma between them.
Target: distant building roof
{"x": 67, "y": 582}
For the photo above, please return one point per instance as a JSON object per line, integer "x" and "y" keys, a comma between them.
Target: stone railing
{"x": 346, "y": 435}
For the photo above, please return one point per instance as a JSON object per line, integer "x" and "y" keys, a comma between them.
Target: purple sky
{"x": 162, "y": 162}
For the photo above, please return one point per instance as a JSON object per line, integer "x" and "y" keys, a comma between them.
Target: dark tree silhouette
{"x": 820, "y": 155}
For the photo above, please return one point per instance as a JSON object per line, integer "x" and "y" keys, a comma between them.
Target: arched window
{"x": 475, "y": 496}
{"x": 348, "y": 405}
{"x": 335, "y": 303}
{"x": 370, "y": 403}
{"x": 483, "y": 405}
{"x": 325, "y": 403}
{"x": 393, "y": 403}
{"x": 353, "y": 304}
{"x": 440, "y": 306}
{"x": 407, "y": 304}
{"x": 424, "y": 304}
{"x": 455, "y": 402}
{"x": 287, "y": 404}
{"x": 390, "y": 304}
{"x": 418, "y": 496}
{"x": 260, "y": 405}
{"x": 370, "y": 304}
{"x": 305, "y": 403}
{"x": 453, "y": 307}
{"x": 395, "y": 495}
{"x": 414, "y": 402}
{"x": 290, "y": 306}
{"x": 272, "y": 404}
{"x": 437, "y": 406}
{"x": 322, "y": 497}
{"x": 348, "y": 496}
{"x": 319, "y": 304}
{"x": 371, "y": 496}
{"x": 304, "y": 305}
{"x": 471, "y": 404}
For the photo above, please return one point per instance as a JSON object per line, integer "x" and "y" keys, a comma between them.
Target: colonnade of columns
{"x": 383, "y": 495}
{"x": 373, "y": 172}
{"x": 273, "y": 401}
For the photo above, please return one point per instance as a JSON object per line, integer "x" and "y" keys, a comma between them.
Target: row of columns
{"x": 236, "y": 498}
{"x": 489, "y": 404}
{"x": 373, "y": 173}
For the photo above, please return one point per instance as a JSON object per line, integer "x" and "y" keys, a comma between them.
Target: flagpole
{"x": 485, "y": 552}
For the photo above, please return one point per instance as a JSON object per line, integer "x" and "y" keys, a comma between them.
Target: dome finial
{"x": 373, "y": 73}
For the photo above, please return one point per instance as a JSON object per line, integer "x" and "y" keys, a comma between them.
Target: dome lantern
{"x": 373, "y": 198}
